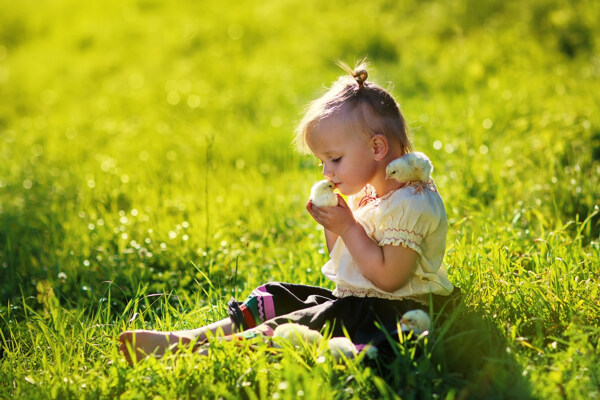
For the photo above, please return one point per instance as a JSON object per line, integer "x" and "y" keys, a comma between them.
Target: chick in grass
{"x": 322, "y": 195}
{"x": 415, "y": 320}
{"x": 297, "y": 334}
{"x": 341, "y": 347}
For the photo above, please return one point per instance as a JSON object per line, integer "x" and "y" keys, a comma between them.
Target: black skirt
{"x": 364, "y": 319}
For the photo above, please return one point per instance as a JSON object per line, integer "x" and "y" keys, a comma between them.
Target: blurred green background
{"x": 184, "y": 112}
{"x": 148, "y": 144}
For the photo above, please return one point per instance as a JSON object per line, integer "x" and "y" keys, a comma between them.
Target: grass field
{"x": 147, "y": 175}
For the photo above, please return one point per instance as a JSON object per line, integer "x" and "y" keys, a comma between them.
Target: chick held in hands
{"x": 322, "y": 195}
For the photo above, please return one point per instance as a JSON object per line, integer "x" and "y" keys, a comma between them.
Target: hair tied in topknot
{"x": 359, "y": 73}
{"x": 361, "y": 76}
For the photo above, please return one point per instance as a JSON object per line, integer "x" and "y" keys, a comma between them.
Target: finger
{"x": 315, "y": 213}
{"x": 312, "y": 210}
{"x": 318, "y": 215}
{"x": 319, "y": 210}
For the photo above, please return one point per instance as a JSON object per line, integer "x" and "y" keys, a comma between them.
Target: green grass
{"x": 147, "y": 175}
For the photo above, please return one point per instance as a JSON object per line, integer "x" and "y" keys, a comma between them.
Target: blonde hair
{"x": 365, "y": 105}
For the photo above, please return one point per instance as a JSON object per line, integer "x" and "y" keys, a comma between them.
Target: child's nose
{"x": 327, "y": 172}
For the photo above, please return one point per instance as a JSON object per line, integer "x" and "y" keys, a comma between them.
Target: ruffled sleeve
{"x": 410, "y": 216}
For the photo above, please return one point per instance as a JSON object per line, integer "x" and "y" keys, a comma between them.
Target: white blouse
{"x": 414, "y": 217}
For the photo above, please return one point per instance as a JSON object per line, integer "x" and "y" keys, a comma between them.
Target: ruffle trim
{"x": 402, "y": 242}
{"x": 405, "y": 237}
{"x": 356, "y": 292}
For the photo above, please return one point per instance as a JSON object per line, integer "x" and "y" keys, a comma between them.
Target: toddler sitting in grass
{"x": 386, "y": 242}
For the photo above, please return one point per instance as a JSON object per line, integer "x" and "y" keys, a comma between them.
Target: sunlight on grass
{"x": 147, "y": 176}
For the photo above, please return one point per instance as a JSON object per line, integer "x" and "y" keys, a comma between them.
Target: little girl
{"x": 386, "y": 243}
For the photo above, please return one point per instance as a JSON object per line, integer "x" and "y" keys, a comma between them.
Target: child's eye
{"x": 336, "y": 159}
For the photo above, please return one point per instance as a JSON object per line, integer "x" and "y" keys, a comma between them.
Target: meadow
{"x": 147, "y": 175}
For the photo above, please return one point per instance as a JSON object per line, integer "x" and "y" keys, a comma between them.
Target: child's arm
{"x": 388, "y": 267}
{"x": 330, "y": 237}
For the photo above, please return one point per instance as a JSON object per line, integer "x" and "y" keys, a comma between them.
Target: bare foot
{"x": 143, "y": 343}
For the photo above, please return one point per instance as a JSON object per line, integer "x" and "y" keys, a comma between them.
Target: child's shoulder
{"x": 413, "y": 195}
{"x": 418, "y": 205}
{"x": 413, "y": 172}
{"x": 420, "y": 195}
{"x": 413, "y": 190}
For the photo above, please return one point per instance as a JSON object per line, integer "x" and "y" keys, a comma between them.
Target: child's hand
{"x": 335, "y": 219}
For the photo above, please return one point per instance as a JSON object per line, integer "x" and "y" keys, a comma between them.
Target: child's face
{"x": 347, "y": 157}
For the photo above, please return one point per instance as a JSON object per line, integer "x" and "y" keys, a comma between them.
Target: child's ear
{"x": 379, "y": 146}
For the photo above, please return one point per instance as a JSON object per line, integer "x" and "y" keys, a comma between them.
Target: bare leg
{"x": 223, "y": 326}
{"x": 144, "y": 342}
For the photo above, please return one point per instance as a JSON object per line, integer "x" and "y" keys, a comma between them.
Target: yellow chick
{"x": 341, "y": 346}
{"x": 411, "y": 167}
{"x": 415, "y": 320}
{"x": 297, "y": 334}
{"x": 321, "y": 194}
